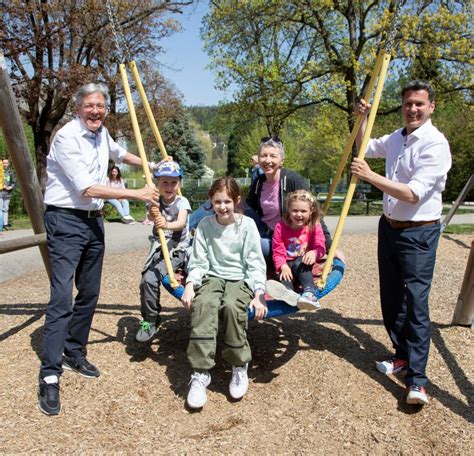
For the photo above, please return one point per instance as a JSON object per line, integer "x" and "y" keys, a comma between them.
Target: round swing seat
{"x": 278, "y": 308}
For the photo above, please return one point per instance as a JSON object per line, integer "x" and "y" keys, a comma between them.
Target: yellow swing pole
{"x": 353, "y": 135}
{"x": 151, "y": 118}
{"x": 146, "y": 170}
{"x": 352, "y": 185}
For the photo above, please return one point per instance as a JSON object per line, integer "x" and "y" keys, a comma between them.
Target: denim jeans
{"x": 122, "y": 206}
{"x": 4, "y": 206}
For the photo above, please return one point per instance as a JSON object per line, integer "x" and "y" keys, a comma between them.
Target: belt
{"x": 79, "y": 212}
{"x": 398, "y": 225}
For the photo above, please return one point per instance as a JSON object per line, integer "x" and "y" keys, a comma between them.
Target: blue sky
{"x": 184, "y": 61}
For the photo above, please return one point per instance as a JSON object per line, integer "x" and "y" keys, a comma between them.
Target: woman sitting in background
{"x": 114, "y": 179}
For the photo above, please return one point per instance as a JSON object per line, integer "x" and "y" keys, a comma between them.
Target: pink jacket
{"x": 288, "y": 244}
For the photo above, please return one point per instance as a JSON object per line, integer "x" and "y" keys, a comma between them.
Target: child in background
{"x": 172, "y": 218}
{"x": 298, "y": 241}
{"x": 226, "y": 276}
{"x": 7, "y": 184}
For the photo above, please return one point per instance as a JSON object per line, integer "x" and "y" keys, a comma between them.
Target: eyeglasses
{"x": 91, "y": 106}
{"x": 271, "y": 138}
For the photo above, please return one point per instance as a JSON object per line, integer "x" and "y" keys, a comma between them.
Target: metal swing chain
{"x": 123, "y": 51}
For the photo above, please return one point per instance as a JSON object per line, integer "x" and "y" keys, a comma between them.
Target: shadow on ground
{"x": 283, "y": 339}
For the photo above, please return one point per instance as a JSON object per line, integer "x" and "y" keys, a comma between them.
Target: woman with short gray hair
{"x": 267, "y": 195}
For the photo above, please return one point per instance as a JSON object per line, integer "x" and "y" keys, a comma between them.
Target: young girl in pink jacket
{"x": 298, "y": 241}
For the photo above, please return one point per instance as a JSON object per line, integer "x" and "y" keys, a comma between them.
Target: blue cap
{"x": 168, "y": 169}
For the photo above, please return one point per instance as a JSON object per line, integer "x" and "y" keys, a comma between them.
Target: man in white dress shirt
{"x": 75, "y": 191}
{"x": 417, "y": 162}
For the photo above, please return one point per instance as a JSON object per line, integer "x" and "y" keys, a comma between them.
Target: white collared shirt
{"x": 78, "y": 159}
{"x": 421, "y": 160}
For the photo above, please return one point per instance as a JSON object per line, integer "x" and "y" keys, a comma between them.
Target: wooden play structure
{"x": 12, "y": 127}
{"x": 464, "y": 311}
{"x": 459, "y": 200}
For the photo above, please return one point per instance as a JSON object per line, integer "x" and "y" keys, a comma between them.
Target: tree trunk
{"x": 42, "y": 141}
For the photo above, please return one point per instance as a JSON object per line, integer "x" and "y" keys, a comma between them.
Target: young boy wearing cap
{"x": 172, "y": 218}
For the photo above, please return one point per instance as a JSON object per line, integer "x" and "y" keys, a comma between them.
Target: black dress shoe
{"x": 81, "y": 366}
{"x": 48, "y": 398}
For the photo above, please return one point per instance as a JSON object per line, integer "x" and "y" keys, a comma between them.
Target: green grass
{"x": 19, "y": 222}
{"x": 137, "y": 211}
{"x": 357, "y": 208}
{"x": 467, "y": 228}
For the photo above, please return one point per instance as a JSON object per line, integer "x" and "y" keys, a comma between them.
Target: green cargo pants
{"x": 225, "y": 301}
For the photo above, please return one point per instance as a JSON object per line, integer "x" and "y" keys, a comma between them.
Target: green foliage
{"x": 285, "y": 55}
{"x": 319, "y": 136}
{"x": 3, "y": 147}
{"x": 456, "y": 121}
{"x": 205, "y": 116}
{"x": 203, "y": 138}
{"x": 5, "y": 153}
{"x": 249, "y": 145}
{"x": 182, "y": 145}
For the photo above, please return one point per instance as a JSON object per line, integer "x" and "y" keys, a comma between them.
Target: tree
{"x": 456, "y": 121}
{"x": 54, "y": 46}
{"x": 284, "y": 55}
{"x": 182, "y": 145}
{"x": 165, "y": 101}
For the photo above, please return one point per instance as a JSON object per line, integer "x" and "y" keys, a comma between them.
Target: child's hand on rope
{"x": 258, "y": 303}
{"x": 285, "y": 273}
{"x": 188, "y": 296}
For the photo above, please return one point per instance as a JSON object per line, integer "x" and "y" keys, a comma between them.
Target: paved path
{"x": 122, "y": 238}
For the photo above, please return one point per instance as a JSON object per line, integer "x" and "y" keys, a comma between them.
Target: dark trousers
{"x": 76, "y": 250}
{"x": 302, "y": 274}
{"x": 406, "y": 260}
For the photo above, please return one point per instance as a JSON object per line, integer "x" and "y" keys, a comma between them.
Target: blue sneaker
{"x": 308, "y": 301}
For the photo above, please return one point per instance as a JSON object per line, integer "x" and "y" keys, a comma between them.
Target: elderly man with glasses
{"x": 75, "y": 191}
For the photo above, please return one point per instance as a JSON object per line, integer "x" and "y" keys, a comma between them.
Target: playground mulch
{"x": 313, "y": 386}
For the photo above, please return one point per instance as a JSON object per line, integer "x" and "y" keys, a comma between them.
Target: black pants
{"x": 406, "y": 262}
{"x": 302, "y": 274}
{"x": 76, "y": 250}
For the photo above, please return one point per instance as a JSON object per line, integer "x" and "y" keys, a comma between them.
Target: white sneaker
{"x": 279, "y": 292}
{"x": 239, "y": 383}
{"x": 197, "y": 396}
{"x": 308, "y": 301}
{"x": 128, "y": 220}
{"x": 417, "y": 395}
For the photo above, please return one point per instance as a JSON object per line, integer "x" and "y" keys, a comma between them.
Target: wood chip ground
{"x": 313, "y": 385}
